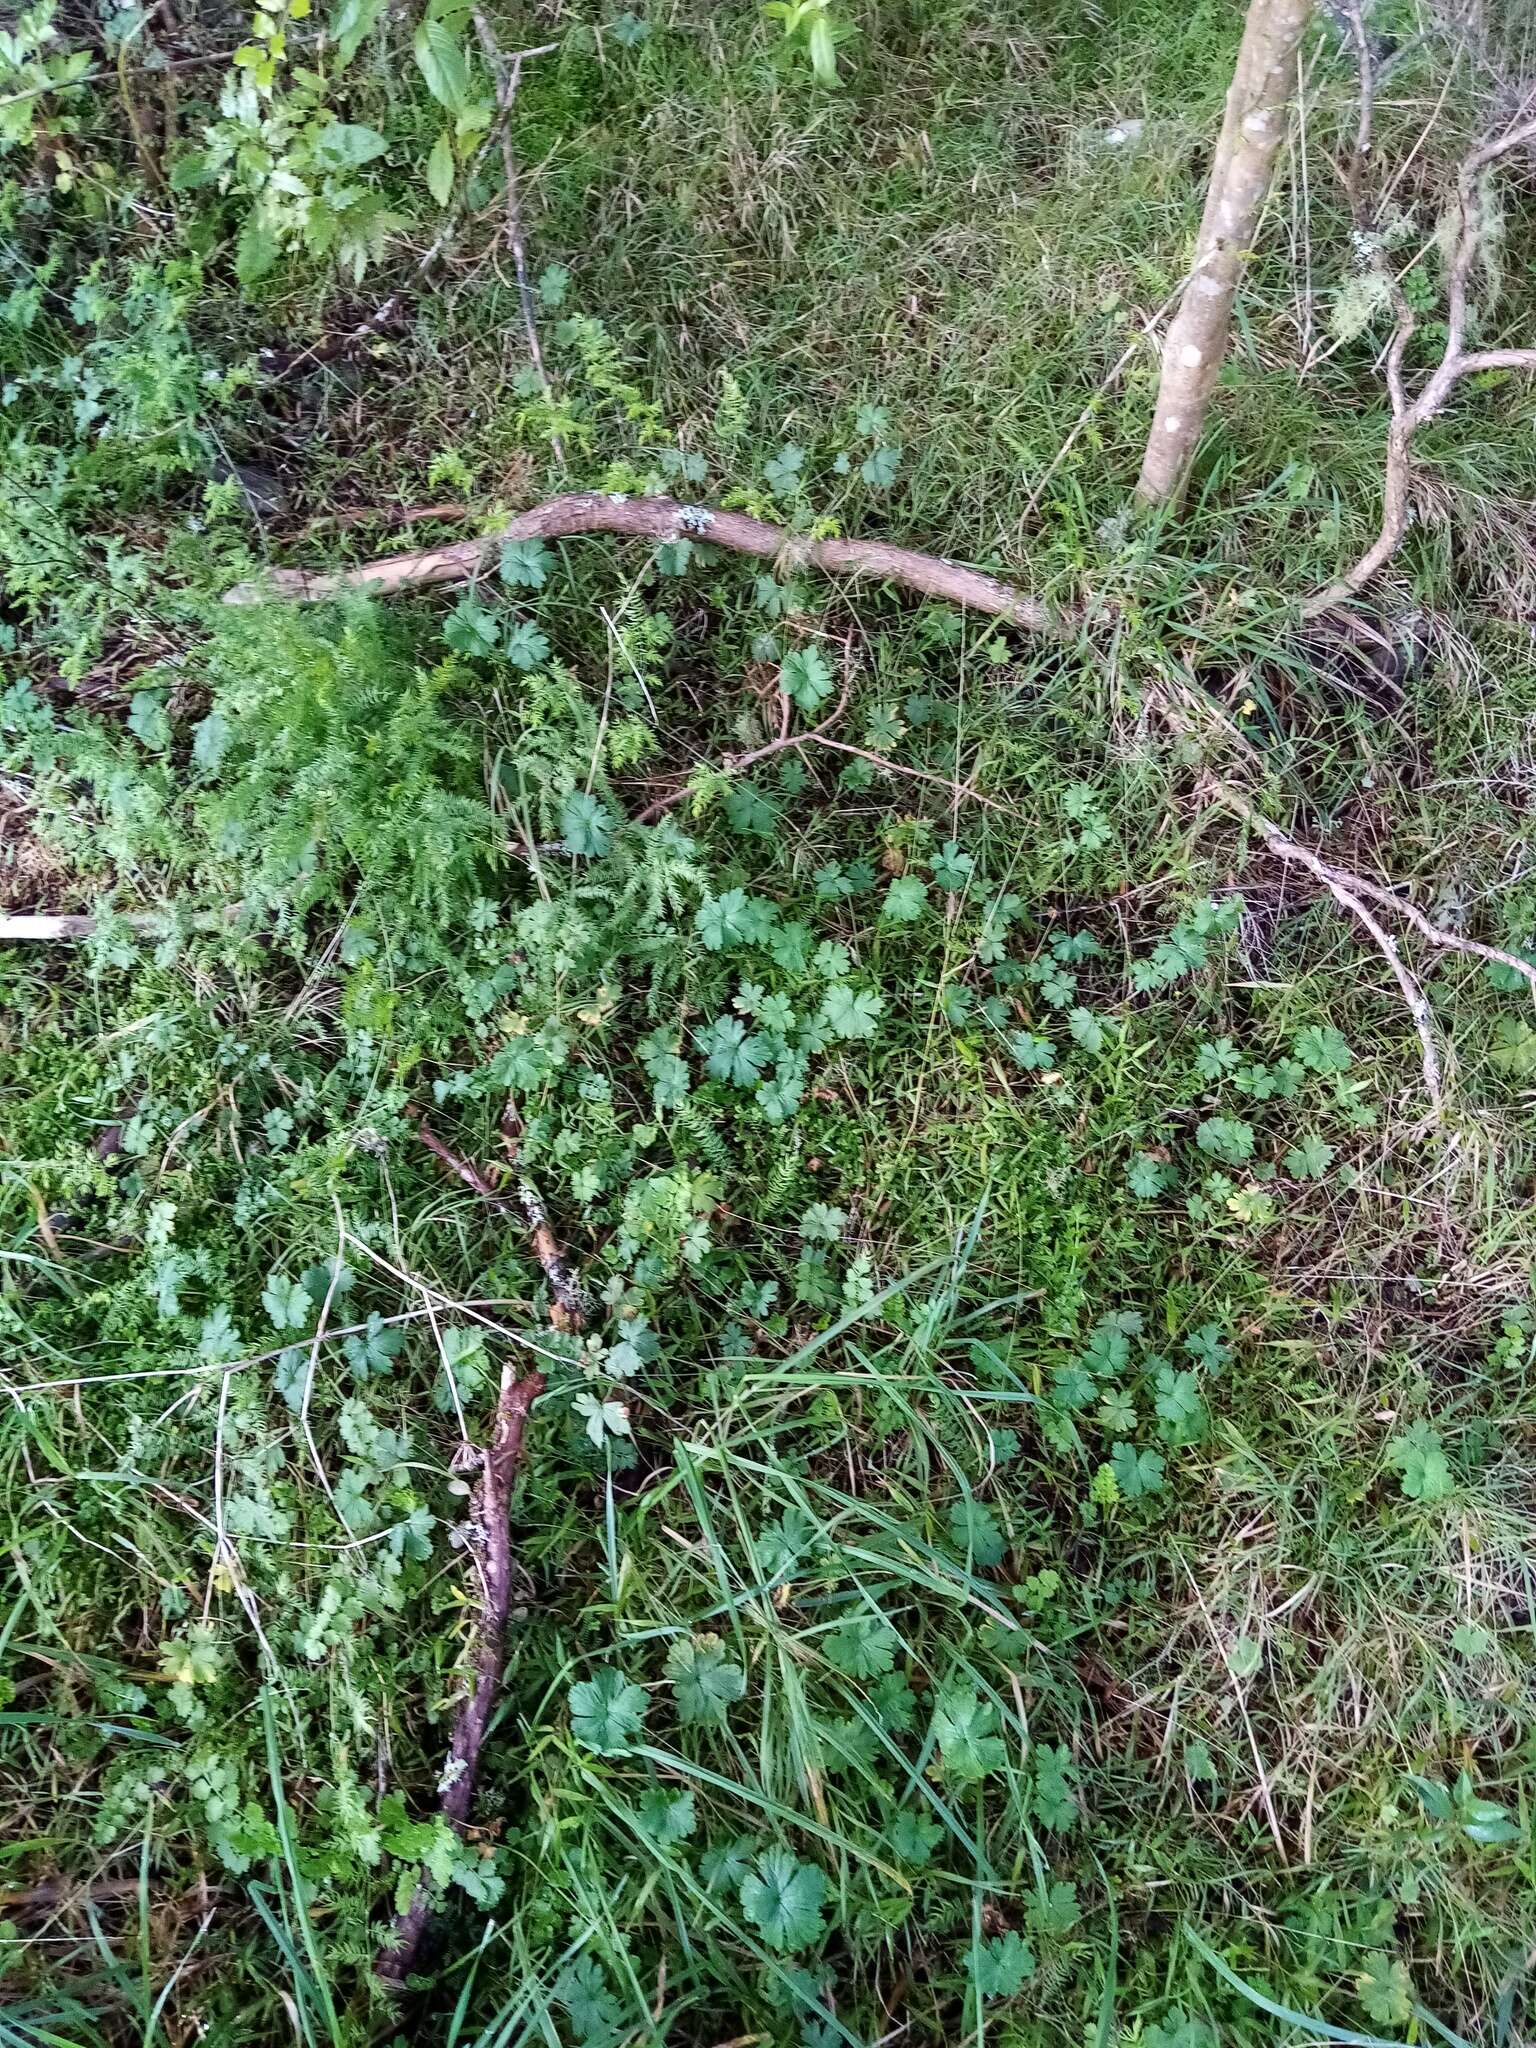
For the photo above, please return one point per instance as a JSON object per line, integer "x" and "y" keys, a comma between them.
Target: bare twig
{"x": 1354, "y": 893}
{"x": 149, "y": 163}
{"x": 568, "y": 1309}
{"x": 1375, "y": 892}
{"x": 1456, "y": 361}
{"x": 1106, "y": 384}
{"x": 278, "y": 363}
{"x": 960, "y": 791}
{"x": 1349, "y": 892}
{"x": 388, "y": 515}
{"x": 664, "y": 519}
{"x": 733, "y": 764}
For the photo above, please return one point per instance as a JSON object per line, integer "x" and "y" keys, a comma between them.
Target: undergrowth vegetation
{"x": 1031, "y": 1537}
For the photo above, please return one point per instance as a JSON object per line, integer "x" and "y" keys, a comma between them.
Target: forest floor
{"x": 1024, "y": 1529}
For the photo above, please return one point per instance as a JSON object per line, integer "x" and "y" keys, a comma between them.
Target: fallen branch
{"x": 65, "y": 925}
{"x": 490, "y": 1537}
{"x": 664, "y": 519}
{"x": 490, "y": 1540}
{"x": 1456, "y": 361}
{"x": 818, "y": 736}
{"x": 280, "y": 363}
{"x": 48, "y": 927}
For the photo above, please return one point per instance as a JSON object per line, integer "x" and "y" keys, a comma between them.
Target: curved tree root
{"x": 663, "y": 519}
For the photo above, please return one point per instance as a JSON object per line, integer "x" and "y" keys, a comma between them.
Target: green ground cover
{"x": 1033, "y": 1542}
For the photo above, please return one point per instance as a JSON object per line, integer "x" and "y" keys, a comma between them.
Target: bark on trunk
{"x": 1244, "y": 164}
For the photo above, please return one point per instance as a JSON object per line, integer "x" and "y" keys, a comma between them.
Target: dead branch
{"x": 48, "y": 927}
{"x": 66, "y": 925}
{"x": 887, "y": 766}
{"x": 61, "y": 1896}
{"x": 664, "y": 519}
{"x": 490, "y": 1538}
{"x": 1456, "y": 362}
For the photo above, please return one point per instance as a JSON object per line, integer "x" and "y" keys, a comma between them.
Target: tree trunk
{"x": 1241, "y": 171}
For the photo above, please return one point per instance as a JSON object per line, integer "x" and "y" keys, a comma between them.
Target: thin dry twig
{"x": 664, "y": 519}
{"x": 733, "y": 764}
{"x": 1348, "y": 891}
{"x": 1354, "y": 893}
{"x": 387, "y": 515}
{"x": 1105, "y": 385}
{"x": 818, "y": 736}
{"x": 568, "y": 1310}
{"x": 961, "y": 791}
